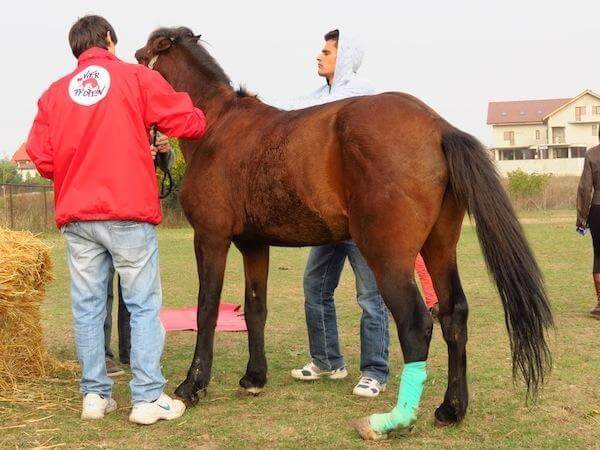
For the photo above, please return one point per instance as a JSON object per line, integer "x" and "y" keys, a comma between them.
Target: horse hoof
{"x": 188, "y": 395}
{"x": 254, "y": 390}
{"x": 252, "y": 387}
{"x": 446, "y": 416}
{"x": 251, "y": 391}
{"x": 363, "y": 427}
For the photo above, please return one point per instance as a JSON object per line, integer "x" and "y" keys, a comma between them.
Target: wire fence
{"x": 27, "y": 207}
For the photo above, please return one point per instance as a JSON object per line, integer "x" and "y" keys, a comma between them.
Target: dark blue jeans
{"x": 321, "y": 277}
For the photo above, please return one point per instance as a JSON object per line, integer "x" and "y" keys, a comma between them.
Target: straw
{"x": 25, "y": 271}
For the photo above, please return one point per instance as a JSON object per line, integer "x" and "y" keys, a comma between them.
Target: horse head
{"x": 182, "y": 60}
{"x": 162, "y": 40}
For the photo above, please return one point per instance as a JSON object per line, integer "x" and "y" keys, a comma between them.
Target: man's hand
{"x": 162, "y": 145}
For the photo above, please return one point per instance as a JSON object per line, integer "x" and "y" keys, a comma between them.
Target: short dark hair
{"x": 333, "y": 35}
{"x": 90, "y": 31}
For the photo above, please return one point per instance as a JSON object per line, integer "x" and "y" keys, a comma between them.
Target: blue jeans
{"x": 321, "y": 277}
{"x": 92, "y": 249}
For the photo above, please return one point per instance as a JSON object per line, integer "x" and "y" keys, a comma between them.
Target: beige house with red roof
{"x": 544, "y": 136}
{"x": 23, "y": 162}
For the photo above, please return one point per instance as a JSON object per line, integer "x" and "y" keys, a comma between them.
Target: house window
{"x": 595, "y": 129}
{"x": 558, "y": 135}
{"x": 596, "y": 110}
{"x": 578, "y": 152}
{"x": 507, "y": 154}
{"x": 579, "y": 111}
{"x": 537, "y": 135}
{"x": 509, "y": 136}
{"x": 561, "y": 152}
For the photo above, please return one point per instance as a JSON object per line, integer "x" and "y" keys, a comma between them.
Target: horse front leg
{"x": 211, "y": 257}
{"x": 256, "y": 270}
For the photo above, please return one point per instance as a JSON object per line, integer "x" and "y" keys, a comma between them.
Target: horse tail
{"x": 477, "y": 187}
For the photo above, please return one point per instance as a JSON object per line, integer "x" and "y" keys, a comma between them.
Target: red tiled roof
{"x": 21, "y": 154}
{"x": 522, "y": 111}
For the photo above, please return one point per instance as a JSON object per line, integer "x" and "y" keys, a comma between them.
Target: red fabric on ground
{"x": 178, "y": 319}
{"x": 426, "y": 283}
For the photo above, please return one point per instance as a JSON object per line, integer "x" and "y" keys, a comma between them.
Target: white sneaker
{"x": 368, "y": 387}
{"x": 95, "y": 407}
{"x": 312, "y": 372}
{"x": 163, "y": 408}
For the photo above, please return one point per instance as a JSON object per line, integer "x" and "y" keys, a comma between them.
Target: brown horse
{"x": 384, "y": 170}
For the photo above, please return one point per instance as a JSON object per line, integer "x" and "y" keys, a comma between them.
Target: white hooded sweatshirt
{"x": 346, "y": 83}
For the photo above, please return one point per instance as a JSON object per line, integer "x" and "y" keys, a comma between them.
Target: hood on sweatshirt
{"x": 348, "y": 61}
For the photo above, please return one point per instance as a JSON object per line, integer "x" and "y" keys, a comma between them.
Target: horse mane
{"x": 242, "y": 91}
{"x": 185, "y": 38}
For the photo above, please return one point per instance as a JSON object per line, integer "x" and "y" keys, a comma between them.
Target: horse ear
{"x": 163, "y": 44}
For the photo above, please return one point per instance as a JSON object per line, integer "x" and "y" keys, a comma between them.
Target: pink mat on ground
{"x": 178, "y": 319}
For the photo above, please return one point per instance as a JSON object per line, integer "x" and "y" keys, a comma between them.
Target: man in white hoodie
{"x": 338, "y": 63}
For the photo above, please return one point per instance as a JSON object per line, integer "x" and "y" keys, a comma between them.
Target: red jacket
{"x": 90, "y": 136}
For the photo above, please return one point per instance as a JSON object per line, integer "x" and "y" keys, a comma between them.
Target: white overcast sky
{"x": 455, "y": 55}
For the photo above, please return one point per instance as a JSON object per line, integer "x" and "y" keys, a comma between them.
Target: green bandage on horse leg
{"x": 409, "y": 395}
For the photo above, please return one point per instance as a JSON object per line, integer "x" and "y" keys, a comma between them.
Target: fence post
{"x": 5, "y": 205}
{"x": 45, "y": 209}
{"x": 11, "y": 212}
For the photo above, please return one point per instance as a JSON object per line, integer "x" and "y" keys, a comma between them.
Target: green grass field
{"x": 291, "y": 414}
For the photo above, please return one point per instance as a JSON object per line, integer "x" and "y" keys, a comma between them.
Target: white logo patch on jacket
{"x": 90, "y": 85}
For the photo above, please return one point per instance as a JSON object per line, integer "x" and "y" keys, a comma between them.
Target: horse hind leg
{"x": 256, "y": 270}
{"x": 414, "y": 324}
{"x": 390, "y": 240}
{"x": 439, "y": 253}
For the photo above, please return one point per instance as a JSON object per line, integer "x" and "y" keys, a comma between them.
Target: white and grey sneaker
{"x": 163, "y": 408}
{"x": 95, "y": 407}
{"x": 368, "y": 387}
{"x": 311, "y": 372}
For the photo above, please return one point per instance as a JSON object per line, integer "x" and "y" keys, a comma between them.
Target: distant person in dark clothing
{"x": 588, "y": 213}
{"x": 124, "y": 331}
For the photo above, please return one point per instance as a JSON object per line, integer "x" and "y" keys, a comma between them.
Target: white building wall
{"x": 28, "y": 173}
{"x": 563, "y": 166}
{"x": 577, "y": 133}
{"x": 524, "y": 135}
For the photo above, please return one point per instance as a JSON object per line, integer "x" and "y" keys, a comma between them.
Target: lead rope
{"x": 165, "y": 190}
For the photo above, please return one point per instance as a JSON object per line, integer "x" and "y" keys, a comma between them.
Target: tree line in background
{"x": 9, "y": 174}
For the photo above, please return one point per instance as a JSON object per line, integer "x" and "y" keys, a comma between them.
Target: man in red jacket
{"x": 90, "y": 136}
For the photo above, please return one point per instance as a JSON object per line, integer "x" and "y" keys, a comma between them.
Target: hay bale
{"x": 25, "y": 270}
